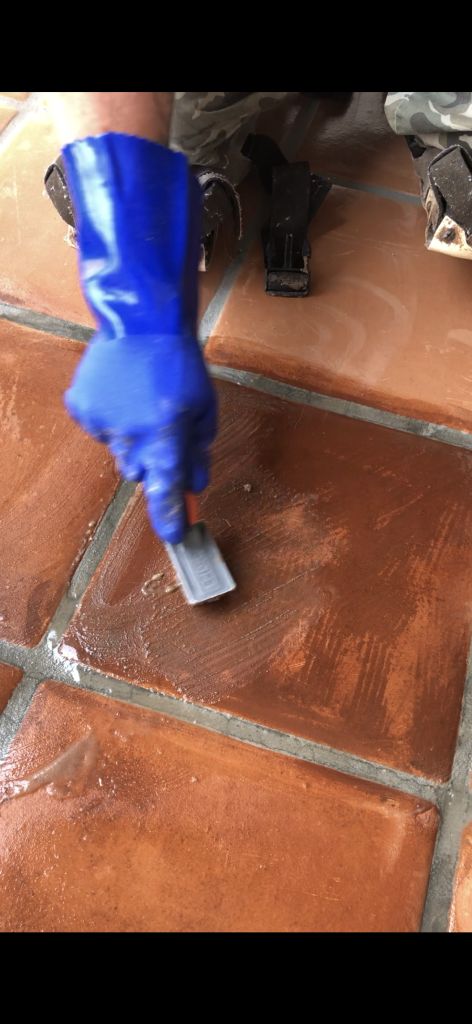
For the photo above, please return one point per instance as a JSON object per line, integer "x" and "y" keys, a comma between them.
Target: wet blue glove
{"x": 142, "y": 386}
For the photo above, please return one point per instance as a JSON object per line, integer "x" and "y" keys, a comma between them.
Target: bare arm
{"x": 77, "y": 115}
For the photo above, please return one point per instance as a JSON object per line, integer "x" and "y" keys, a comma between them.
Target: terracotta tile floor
{"x": 9, "y": 677}
{"x": 147, "y": 824}
{"x": 377, "y": 326}
{"x": 351, "y": 621}
{"x": 338, "y": 666}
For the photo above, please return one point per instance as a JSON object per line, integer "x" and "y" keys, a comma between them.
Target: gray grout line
{"x": 50, "y": 665}
{"x": 99, "y": 543}
{"x": 456, "y": 809}
{"x": 376, "y": 190}
{"x": 262, "y": 737}
{"x": 344, "y": 407}
{"x": 259, "y": 382}
{"x": 26, "y": 317}
{"x": 216, "y": 305}
{"x": 89, "y": 562}
{"x": 15, "y": 654}
{"x": 43, "y": 660}
{"x": 12, "y": 717}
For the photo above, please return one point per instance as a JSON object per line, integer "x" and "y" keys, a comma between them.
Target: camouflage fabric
{"x": 438, "y": 119}
{"x": 211, "y": 127}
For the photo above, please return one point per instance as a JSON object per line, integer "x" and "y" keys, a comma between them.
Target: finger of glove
{"x": 198, "y": 472}
{"x": 128, "y": 457}
{"x": 90, "y": 423}
{"x": 164, "y": 459}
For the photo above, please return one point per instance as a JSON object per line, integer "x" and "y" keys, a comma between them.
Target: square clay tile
{"x": 356, "y": 143}
{"x": 386, "y": 323}
{"x": 56, "y": 481}
{"x": 351, "y": 546}
{"x": 9, "y": 677}
{"x": 461, "y": 911}
{"x": 131, "y": 821}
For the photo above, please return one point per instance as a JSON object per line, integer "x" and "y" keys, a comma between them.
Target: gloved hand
{"x": 142, "y": 386}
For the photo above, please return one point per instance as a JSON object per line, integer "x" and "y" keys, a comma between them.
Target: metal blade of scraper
{"x": 198, "y": 563}
{"x": 199, "y": 566}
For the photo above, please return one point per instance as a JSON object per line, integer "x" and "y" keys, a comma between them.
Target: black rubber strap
{"x": 296, "y": 195}
{"x": 56, "y": 188}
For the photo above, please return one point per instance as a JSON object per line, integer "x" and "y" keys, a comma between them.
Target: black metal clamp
{"x": 296, "y": 195}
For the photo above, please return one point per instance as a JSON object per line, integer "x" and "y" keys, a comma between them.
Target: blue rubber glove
{"x": 142, "y": 386}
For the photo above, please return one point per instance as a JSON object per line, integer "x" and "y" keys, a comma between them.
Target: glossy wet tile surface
{"x": 56, "y": 481}
{"x": 461, "y": 911}
{"x": 130, "y": 821}
{"x": 351, "y": 547}
{"x": 9, "y": 677}
{"x": 386, "y": 324}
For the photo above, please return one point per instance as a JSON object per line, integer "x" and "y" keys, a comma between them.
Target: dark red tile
{"x": 56, "y": 481}
{"x": 350, "y": 625}
{"x": 130, "y": 821}
{"x": 9, "y": 677}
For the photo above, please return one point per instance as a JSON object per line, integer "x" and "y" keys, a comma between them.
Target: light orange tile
{"x": 461, "y": 910}
{"x": 387, "y": 323}
{"x": 37, "y": 267}
{"x": 130, "y": 821}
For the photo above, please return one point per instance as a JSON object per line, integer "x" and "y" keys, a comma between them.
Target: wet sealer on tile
{"x": 198, "y": 563}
